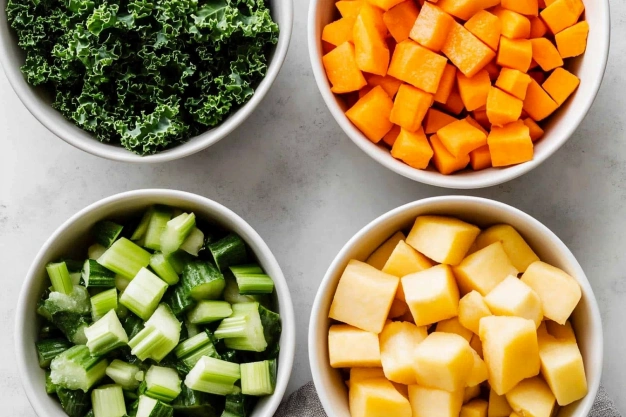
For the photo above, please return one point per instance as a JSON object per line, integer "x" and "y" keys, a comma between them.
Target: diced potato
{"x": 514, "y": 298}
{"x": 484, "y": 269}
{"x": 532, "y": 397}
{"x": 477, "y": 345}
{"x": 479, "y": 372}
{"x": 379, "y": 257}
{"x": 559, "y": 292}
{"x": 349, "y": 347}
{"x": 443, "y": 361}
{"x": 432, "y": 295}
{"x": 454, "y": 326}
{"x": 442, "y": 239}
{"x": 498, "y": 405}
{"x": 510, "y": 350}
{"x": 398, "y": 308}
{"x": 405, "y": 260}
{"x": 471, "y": 393}
{"x": 516, "y": 248}
{"x": 429, "y": 402}
{"x": 398, "y": 341}
{"x": 360, "y": 374}
{"x": 561, "y": 331}
{"x": 363, "y": 297}
{"x": 377, "y": 398}
{"x": 472, "y": 308}
{"x": 475, "y": 408}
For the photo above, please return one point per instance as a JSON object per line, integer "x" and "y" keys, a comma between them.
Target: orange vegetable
{"x": 536, "y": 132}
{"x": 431, "y": 27}
{"x": 477, "y": 125}
{"x": 385, "y": 4}
{"x": 444, "y": 161}
{"x": 461, "y": 137}
{"x": 446, "y": 84}
{"x": 388, "y": 83}
{"x": 538, "y": 103}
{"x": 339, "y": 31}
{"x": 538, "y": 29}
{"x": 455, "y": 103}
{"x": 562, "y": 14}
{"x": 480, "y": 158}
{"x": 481, "y": 117}
{"x": 573, "y": 40}
{"x": 510, "y": 144}
{"x": 390, "y": 138}
{"x": 526, "y": 7}
{"x": 546, "y": 54}
{"x": 349, "y": 8}
{"x": 400, "y": 19}
{"x": 372, "y": 53}
{"x": 413, "y": 149}
{"x": 466, "y": 51}
{"x": 465, "y": 9}
{"x": 514, "y": 25}
{"x": 503, "y": 108}
{"x": 493, "y": 69}
{"x": 560, "y": 85}
{"x": 474, "y": 90}
{"x": 435, "y": 120}
{"x": 410, "y": 107}
{"x": 417, "y": 66}
{"x": 371, "y": 114}
{"x": 342, "y": 70}
{"x": 513, "y": 82}
{"x": 515, "y": 53}
{"x": 486, "y": 27}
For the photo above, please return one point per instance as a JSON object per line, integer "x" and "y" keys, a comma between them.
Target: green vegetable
{"x": 162, "y": 383}
{"x": 258, "y": 378}
{"x": 108, "y": 401}
{"x": 252, "y": 280}
{"x": 50, "y": 349}
{"x": 76, "y": 369}
{"x": 106, "y": 232}
{"x": 213, "y": 376}
{"x": 102, "y": 303}
{"x": 95, "y": 275}
{"x": 143, "y": 294}
{"x": 125, "y": 258}
{"x": 105, "y": 335}
{"x": 149, "y": 407}
{"x": 60, "y": 277}
{"x": 74, "y": 403}
{"x": 123, "y": 374}
{"x": 228, "y": 251}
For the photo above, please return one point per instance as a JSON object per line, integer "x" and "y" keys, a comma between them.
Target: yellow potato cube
{"x": 360, "y": 374}
{"x": 484, "y": 269}
{"x": 398, "y": 308}
{"x": 559, "y": 292}
{"x": 432, "y": 295}
{"x": 454, "y": 326}
{"x": 561, "y": 331}
{"x": 479, "y": 372}
{"x": 472, "y": 308}
{"x": 442, "y": 239}
{"x": 477, "y": 345}
{"x": 349, "y": 347}
{"x": 377, "y": 398}
{"x": 510, "y": 350}
{"x": 532, "y": 397}
{"x": 498, "y": 405}
{"x": 518, "y": 251}
{"x": 363, "y": 297}
{"x": 398, "y": 341}
{"x": 405, "y": 260}
{"x": 471, "y": 393}
{"x": 443, "y": 361}
{"x": 429, "y": 402}
{"x": 514, "y": 298}
{"x": 475, "y": 408}
{"x": 379, "y": 257}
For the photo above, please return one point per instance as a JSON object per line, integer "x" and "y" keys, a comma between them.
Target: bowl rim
{"x": 84, "y": 141}
{"x": 498, "y": 176}
{"x": 318, "y": 319}
{"x": 288, "y": 336}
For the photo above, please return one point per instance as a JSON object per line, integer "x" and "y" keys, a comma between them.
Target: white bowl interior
{"x": 69, "y": 236}
{"x": 586, "y": 318}
{"x": 38, "y": 101}
{"x": 560, "y": 126}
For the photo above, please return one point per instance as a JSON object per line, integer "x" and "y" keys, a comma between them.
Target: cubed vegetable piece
{"x": 546, "y": 54}
{"x": 538, "y": 28}
{"x": 76, "y": 369}
{"x": 417, "y": 66}
{"x": 498, "y": 405}
{"x": 431, "y": 27}
{"x": 477, "y": 125}
{"x": 562, "y": 14}
{"x": 410, "y": 107}
{"x": 525, "y": 7}
{"x": 474, "y": 90}
{"x": 480, "y": 158}
{"x": 350, "y": 347}
{"x": 429, "y": 402}
{"x": 392, "y": 135}
{"x": 515, "y": 53}
{"x": 349, "y": 8}
{"x": 339, "y": 31}
{"x": 435, "y": 120}
{"x": 379, "y": 257}
{"x": 486, "y": 27}
{"x": 159, "y": 336}
{"x": 342, "y": 70}
{"x": 513, "y": 82}
{"x": 371, "y": 51}
{"x": 572, "y": 41}
{"x": 400, "y": 19}
{"x": 388, "y": 83}
{"x": 361, "y": 374}
{"x": 510, "y": 144}
{"x": 125, "y": 258}
{"x": 432, "y": 295}
{"x": 377, "y": 398}
{"x": 510, "y": 349}
{"x": 481, "y": 118}
{"x": 514, "y": 25}
{"x": 465, "y": 9}
{"x": 446, "y": 84}
{"x": 538, "y": 103}
{"x": 143, "y": 294}
{"x": 460, "y": 137}
{"x": 454, "y": 104}
{"x": 472, "y": 308}
{"x": 514, "y": 298}
{"x": 479, "y": 372}
{"x": 484, "y": 269}
{"x": 405, "y": 260}
{"x": 519, "y": 252}
{"x": 466, "y": 51}
{"x": 454, "y": 326}
{"x": 532, "y": 397}
{"x": 371, "y": 114}
{"x": 503, "y": 108}
{"x": 443, "y": 361}
{"x": 108, "y": 401}
{"x": 398, "y": 308}
{"x": 397, "y": 345}
{"x": 475, "y": 408}
{"x": 471, "y": 393}
{"x": 213, "y": 376}
{"x": 412, "y": 148}
{"x": 560, "y": 85}
{"x": 105, "y": 335}
{"x": 559, "y": 292}
{"x": 536, "y": 132}
{"x": 444, "y": 161}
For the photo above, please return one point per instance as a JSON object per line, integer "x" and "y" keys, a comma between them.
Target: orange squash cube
{"x": 435, "y": 120}
{"x": 460, "y": 138}
{"x": 503, "y": 108}
{"x": 562, "y": 14}
{"x": 481, "y": 117}
{"x": 392, "y": 135}
{"x": 342, "y": 70}
{"x": 444, "y": 161}
{"x": 363, "y": 91}
{"x": 474, "y": 90}
{"x": 465, "y": 9}
{"x": 514, "y": 25}
{"x": 515, "y": 53}
{"x": 417, "y": 66}
{"x": 413, "y": 149}
{"x": 446, "y": 84}
{"x": 536, "y": 132}
{"x": 573, "y": 40}
{"x": 538, "y": 103}
{"x": 385, "y": 4}
{"x": 455, "y": 103}
{"x": 510, "y": 144}
{"x": 538, "y": 29}
{"x": 431, "y": 27}
{"x": 466, "y": 51}
{"x": 372, "y": 53}
{"x": 339, "y": 31}
{"x": 526, "y": 7}
{"x": 513, "y": 82}
{"x": 349, "y": 8}
{"x": 477, "y": 125}
{"x": 400, "y": 19}
{"x": 560, "y": 85}
{"x": 486, "y": 27}
{"x": 493, "y": 69}
{"x": 388, "y": 83}
{"x": 480, "y": 158}
{"x": 371, "y": 114}
{"x": 546, "y": 54}
{"x": 410, "y": 107}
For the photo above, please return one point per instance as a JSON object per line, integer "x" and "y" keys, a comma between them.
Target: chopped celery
{"x": 258, "y": 378}
{"x": 162, "y": 383}
{"x": 213, "y": 376}
{"x": 252, "y": 280}
{"x": 76, "y": 369}
{"x": 75, "y": 277}
{"x": 149, "y": 407}
{"x": 121, "y": 283}
{"x": 95, "y": 275}
{"x": 105, "y": 335}
{"x": 106, "y": 232}
{"x": 77, "y": 301}
{"x": 50, "y": 349}
{"x": 163, "y": 268}
{"x": 176, "y": 232}
{"x": 192, "y": 329}
{"x": 191, "y": 350}
{"x": 123, "y": 374}
{"x": 228, "y": 251}
{"x": 60, "y": 277}
{"x": 156, "y": 226}
{"x": 108, "y": 401}
{"x": 50, "y": 387}
{"x": 103, "y": 303}
{"x": 244, "y": 329}
{"x": 141, "y": 228}
{"x": 74, "y": 403}
{"x": 209, "y": 311}
{"x": 95, "y": 251}
{"x": 232, "y": 295}
{"x": 194, "y": 242}
{"x": 143, "y": 294}
{"x": 159, "y": 337}
{"x": 125, "y": 258}
{"x": 73, "y": 326}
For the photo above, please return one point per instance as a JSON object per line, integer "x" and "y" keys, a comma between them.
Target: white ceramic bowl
{"x": 72, "y": 232}
{"x": 586, "y": 318}
{"x": 560, "y": 126}
{"x": 38, "y": 102}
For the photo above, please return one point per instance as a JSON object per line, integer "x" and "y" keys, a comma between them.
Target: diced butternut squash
{"x": 417, "y": 66}
{"x": 477, "y": 345}
{"x": 372, "y": 53}
{"x": 538, "y": 103}
{"x": 432, "y": 295}
{"x": 398, "y": 309}
{"x": 514, "y": 82}
{"x": 498, "y": 405}
{"x": 442, "y": 239}
{"x": 562, "y": 14}
{"x": 493, "y": 69}
{"x": 455, "y": 103}
{"x": 361, "y": 374}
{"x": 371, "y": 114}
{"x": 454, "y": 326}
{"x": 435, "y": 120}
{"x": 385, "y": 4}
{"x": 480, "y": 158}
{"x": 518, "y": 251}
{"x": 510, "y": 349}
{"x": 446, "y": 84}
{"x": 392, "y": 135}
{"x": 558, "y": 291}
{"x": 339, "y": 31}
{"x": 379, "y": 257}
{"x": 561, "y": 84}
{"x": 460, "y": 137}
{"x": 536, "y": 132}
{"x": 514, "y": 298}
{"x": 477, "y": 125}
{"x": 388, "y": 83}
{"x": 398, "y": 341}
{"x": 471, "y": 393}
{"x": 475, "y": 408}
{"x": 400, "y": 19}
{"x": 546, "y": 54}
{"x": 405, "y": 260}
{"x": 484, "y": 269}
{"x": 342, "y": 70}
{"x": 515, "y": 53}
{"x": 481, "y": 117}
{"x": 510, "y": 144}
{"x": 349, "y": 347}
{"x": 465, "y": 9}
{"x": 486, "y": 27}
{"x": 410, "y": 107}
{"x": 429, "y": 402}
{"x": 431, "y": 27}
{"x": 377, "y": 398}
{"x": 444, "y": 161}
{"x": 503, "y": 108}
{"x": 413, "y": 148}
{"x": 532, "y": 397}
{"x": 526, "y": 7}
{"x": 443, "y": 361}
{"x": 474, "y": 91}
{"x": 472, "y": 308}
{"x": 466, "y": 51}
{"x": 363, "y": 297}
{"x": 349, "y": 8}
{"x": 538, "y": 29}
{"x": 573, "y": 41}
{"x": 514, "y": 25}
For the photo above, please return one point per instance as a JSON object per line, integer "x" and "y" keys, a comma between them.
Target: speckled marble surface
{"x": 306, "y": 188}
